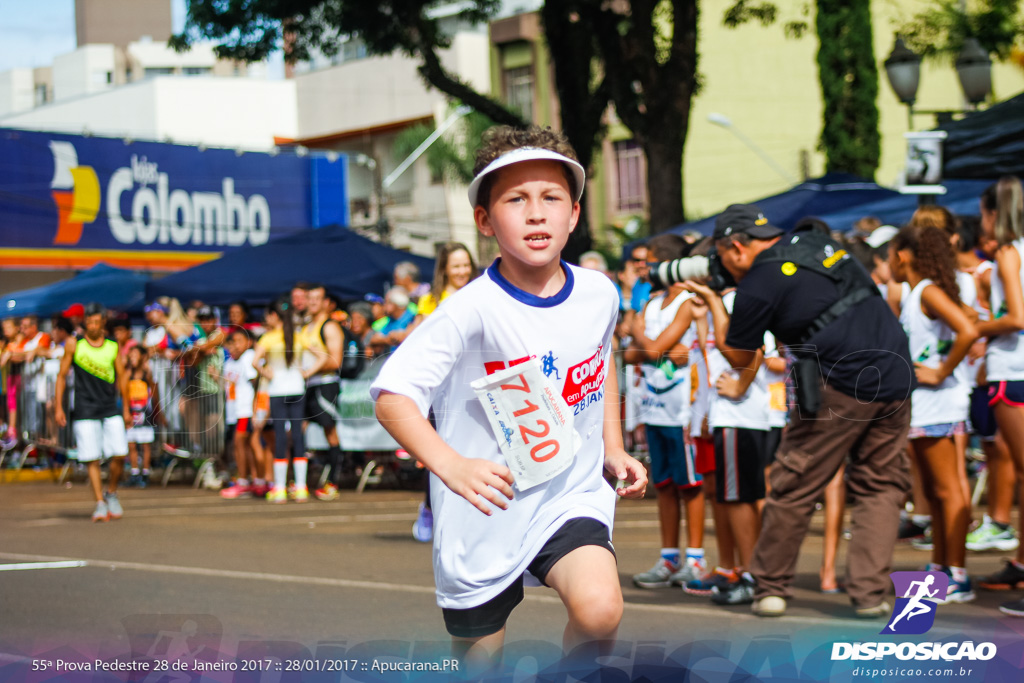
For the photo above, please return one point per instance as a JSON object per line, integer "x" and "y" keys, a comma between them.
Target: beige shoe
{"x": 878, "y": 611}
{"x": 769, "y": 606}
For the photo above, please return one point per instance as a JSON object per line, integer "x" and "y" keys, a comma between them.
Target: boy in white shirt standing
{"x": 529, "y": 307}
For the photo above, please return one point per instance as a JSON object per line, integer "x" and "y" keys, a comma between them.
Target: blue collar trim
{"x": 526, "y": 297}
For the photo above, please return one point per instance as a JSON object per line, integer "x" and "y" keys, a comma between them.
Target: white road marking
{"x": 41, "y": 565}
{"x": 421, "y": 590}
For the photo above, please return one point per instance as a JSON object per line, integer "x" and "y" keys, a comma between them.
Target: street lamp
{"x": 725, "y": 122}
{"x": 973, "y": 66}
{"x": 903, "y": 68}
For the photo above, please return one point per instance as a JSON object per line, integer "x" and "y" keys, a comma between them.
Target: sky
{"x": 33, "y": 32}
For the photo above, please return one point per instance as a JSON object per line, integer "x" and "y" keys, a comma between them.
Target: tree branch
{"x": 434, "y": 73}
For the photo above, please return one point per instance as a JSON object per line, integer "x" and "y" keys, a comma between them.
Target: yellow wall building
{"x": 765, "y": 84}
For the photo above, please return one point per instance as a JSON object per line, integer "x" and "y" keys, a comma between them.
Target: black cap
{"x": 745, "y": 218}
{"x": 205, "y": 312}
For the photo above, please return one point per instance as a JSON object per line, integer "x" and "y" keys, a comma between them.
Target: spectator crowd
{"x": 247, "y": 390}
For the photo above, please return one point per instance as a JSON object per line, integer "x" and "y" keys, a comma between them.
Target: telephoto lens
{"x": 667, "y": 273}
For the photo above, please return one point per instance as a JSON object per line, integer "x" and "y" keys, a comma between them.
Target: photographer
{"x": 853, "y": 379}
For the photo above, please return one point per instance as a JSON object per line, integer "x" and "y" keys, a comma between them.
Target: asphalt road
{"x": 187, "y": 573}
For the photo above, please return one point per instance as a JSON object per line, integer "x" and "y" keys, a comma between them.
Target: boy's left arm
{"x": 625, "y": 467}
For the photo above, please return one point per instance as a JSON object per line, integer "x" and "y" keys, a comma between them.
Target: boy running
{"x": 529, "y": 307}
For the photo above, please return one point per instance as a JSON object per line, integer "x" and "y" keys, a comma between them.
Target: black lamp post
{"x": 903, "y": 69}
{"x": 973, "y": 66}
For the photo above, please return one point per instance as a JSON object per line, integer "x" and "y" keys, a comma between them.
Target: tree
{"x": 849, "y": 87}
{"x": 250, "y": 30}
{"x": 847, "y": 74}
{"x": 939, "y": 30}
{"x": 648, "y": 50}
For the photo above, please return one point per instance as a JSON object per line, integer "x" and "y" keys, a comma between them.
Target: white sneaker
{"x": 658, "y": 576}
{"x": 101, "y": 513}
{"x": 113, "y": 505}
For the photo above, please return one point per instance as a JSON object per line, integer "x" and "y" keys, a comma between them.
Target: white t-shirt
{"x": 482, "y": 328}
{"x": 665, "y": 399}
{"x": 778, "y": 402}
{"x": 700, "y": 384}
{"x": 969, "y": 295}
{"x": 930, "y": 343}
{"x": 1004, "y": 359}
{"x": 751, "y": 410}
{"x": 238, "y": 386}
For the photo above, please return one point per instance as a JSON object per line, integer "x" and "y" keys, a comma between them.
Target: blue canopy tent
{"x": 829, "y": 193}
{"x": 961, "y": 198}
{"x": 115, "y": 288}
{"x": 348, "y": 265}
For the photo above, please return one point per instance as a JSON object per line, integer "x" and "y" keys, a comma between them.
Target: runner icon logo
{"x": 917, "y": 595}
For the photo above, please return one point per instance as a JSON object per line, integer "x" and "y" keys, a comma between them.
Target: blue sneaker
{"x": 423, "y": 528}
{"x": 705, "y": 585}
{"x": 959, "y": 591}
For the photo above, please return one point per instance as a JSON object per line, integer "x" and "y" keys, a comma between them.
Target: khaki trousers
{"x": 874, "y": 436}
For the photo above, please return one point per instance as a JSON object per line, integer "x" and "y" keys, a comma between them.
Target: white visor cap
{"x": 528, "y": 154}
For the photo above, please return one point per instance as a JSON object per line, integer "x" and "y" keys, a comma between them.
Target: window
{"x": 519, "y": 90}
{"x": 153, "y": 71}
{"x": 353, "y": 50}
{"x": 196, "y": 70}
{"x": 631, "y": 174}
{"x": 41, "y": 94}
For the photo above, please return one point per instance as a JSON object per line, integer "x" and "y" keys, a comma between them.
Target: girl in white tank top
{"x": 1004, "y": 359}
{"x": 940, "y": 334}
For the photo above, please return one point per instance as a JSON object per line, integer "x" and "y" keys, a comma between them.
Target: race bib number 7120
{"x": 532, "y": 422}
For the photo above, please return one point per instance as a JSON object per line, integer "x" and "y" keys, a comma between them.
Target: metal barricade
{"x": 187, "y": 412}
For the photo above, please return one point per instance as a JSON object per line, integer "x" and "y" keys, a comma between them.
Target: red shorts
{"x": 705, "y": 460}
{"x": 242, "y": 426}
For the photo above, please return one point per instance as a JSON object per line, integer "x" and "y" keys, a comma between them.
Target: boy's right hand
{"x": 477, "y": 480}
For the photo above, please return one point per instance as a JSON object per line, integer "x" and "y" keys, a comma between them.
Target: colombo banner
{"x": 70, "y": 201}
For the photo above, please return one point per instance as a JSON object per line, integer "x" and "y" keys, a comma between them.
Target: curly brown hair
{"x": 933, "y": 256}
{"x": 498, "y": 140}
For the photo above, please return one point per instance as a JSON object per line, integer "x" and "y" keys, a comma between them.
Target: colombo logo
{"x": 76, "y": 192}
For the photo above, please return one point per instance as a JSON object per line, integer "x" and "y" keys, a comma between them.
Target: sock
{"x": 727, "y": 572}
{"x": 241, "y": 482}
{"x": 922, "y": 520}
{"x": 280, "y": 474}
{"x": 959, "y": 574}
{"x": 135, "y": 471}
{"x": 1018, "y": 565}
{"x": 671, "y": 555}
{"x": 300, "y": 465}
{"x": 695, "y": 553}
{"x": 1000, "y": 525}
{"x": 747, "y": 576}
{"x": 145, "y": 471}
{"x": 259, "y": 482}
{"x": 933, "y": 567}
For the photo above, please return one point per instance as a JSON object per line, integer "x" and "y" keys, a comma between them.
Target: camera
{"x": 707, "y": 268}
